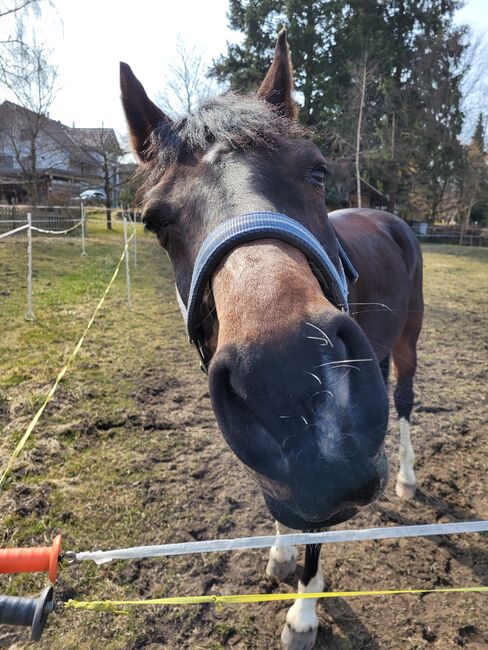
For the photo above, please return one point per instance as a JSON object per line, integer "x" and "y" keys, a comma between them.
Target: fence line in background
{"x": 15, "y": 230}
{"x": 30, "y": 313}
{"x": 83, "y": 218}
{"x": 127, "y": 269}
{"x": 62, "y": 372}
{"x": 82, "y": 222}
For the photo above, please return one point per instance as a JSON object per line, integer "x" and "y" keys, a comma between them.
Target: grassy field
{"x": 127, "y": 453}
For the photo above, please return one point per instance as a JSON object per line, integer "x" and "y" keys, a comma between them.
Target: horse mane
{"x": 238, "y": 122}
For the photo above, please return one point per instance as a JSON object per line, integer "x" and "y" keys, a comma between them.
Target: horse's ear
{"x": 141, "y": 114}
{"x": 277, "y": 86}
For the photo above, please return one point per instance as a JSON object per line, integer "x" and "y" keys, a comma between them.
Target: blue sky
{"x": 89, "y": 38}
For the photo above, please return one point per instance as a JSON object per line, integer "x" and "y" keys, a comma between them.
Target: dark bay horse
{"x": 298, "y": 384}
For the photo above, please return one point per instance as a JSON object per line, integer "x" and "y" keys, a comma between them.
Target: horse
{"x": 296, "y": 344}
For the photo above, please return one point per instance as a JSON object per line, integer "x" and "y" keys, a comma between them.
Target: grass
{"x": 85, "y": 470}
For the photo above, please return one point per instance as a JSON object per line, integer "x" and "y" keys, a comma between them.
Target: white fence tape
{"x": 12, "y": 232}
{"x": 56, "y": 232}
{"x": 326, "y": 537}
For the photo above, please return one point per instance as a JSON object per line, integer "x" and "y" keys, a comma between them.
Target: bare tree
{"x": 474, "y": 86}
{"x": 360, "y": 81}
{"x": 362, "y": 75}
{"x": 31, "y": 79}
{"x": 12, "y": 22}
{"x": 186, "y": 83}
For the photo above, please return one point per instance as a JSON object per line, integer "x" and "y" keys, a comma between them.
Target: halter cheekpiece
{"x": 250, "y": 227}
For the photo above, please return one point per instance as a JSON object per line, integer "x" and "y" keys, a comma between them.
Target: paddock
{"x": 128, "y": 453}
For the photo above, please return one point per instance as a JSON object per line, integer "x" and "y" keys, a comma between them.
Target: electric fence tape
{"x": 12, "y": 232}
{"x": 241, "y": 543}
{"x": 113, "y": 606}
{"x": 56, "y": 232}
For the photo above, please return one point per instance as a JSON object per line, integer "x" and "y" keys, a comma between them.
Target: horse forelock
{"x": 239, "y": 122}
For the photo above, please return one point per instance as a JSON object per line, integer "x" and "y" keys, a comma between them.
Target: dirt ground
{"x": 128, "y": 453}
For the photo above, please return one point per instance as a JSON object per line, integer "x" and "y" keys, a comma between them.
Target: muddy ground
{"x": 128, "y": 453}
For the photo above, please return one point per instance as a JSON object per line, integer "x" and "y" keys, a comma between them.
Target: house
{"x": 342, "y": 193}
{"x": 42, "y": 156}
{"x": 371, "y": 197}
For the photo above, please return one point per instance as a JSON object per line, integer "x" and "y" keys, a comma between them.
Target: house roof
{"x": 81, "y": 144}
{"x": 369, "y": 188}
{"x": 54, "y": 129}
{"x": 97, "y": 139}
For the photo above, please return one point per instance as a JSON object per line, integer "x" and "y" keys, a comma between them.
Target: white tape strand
{"x": 56, "y": 232}
{"x": 12, "y": 232}
{"x": 326, "y": 537}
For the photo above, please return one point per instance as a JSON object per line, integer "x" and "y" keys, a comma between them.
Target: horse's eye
{"x": 150, "y": 218}
{"x": 317, "y": 175}
{"x": 155, "y": 217}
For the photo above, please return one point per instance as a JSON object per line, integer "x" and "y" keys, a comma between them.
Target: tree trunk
{"x": 362, "y": 94}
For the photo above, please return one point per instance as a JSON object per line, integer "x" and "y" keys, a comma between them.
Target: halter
{"x": 250, "y": 227}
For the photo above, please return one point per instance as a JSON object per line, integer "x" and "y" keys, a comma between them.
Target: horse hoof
{"x": 291, "y": 640}
{"x": 280, "y": 570}
{"x": 405, "y": 490}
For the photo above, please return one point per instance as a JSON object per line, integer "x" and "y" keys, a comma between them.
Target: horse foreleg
{"x": 302, "y": 623}
{"x": 282, "y": 559}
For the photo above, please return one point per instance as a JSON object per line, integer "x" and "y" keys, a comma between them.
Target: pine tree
{"x": 475, "y": 193}
{"x": 411, "y": 118}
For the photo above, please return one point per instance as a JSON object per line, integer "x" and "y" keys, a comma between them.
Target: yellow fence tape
{"x": 62, "y": 372}
{"x": 113, "y": 606}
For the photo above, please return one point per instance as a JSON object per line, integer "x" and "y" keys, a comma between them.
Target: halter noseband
{"x": 250, "y": 227}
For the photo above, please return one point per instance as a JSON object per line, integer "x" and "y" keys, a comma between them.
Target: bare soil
{"x": 129, "y": 453}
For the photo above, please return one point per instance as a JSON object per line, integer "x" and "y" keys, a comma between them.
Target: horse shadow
{"x": 355, "y": 631}
{"x": 464, "y": 556}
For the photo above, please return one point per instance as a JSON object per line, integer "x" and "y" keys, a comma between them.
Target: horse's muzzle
{"x": 308, "y": 416}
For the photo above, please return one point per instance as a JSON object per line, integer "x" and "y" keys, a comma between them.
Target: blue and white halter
{"x": 250, "y": 227}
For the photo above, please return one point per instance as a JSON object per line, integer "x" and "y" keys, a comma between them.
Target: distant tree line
{"x": 380, "y": 83}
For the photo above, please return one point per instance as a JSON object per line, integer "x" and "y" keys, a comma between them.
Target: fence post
{"x": 134, "y": 239}
{"x": 83, "y": 251}
{"x": 127, "y": 271}
{"x": 30, "y": 314}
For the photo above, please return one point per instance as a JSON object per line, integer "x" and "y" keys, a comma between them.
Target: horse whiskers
{"x": 344, "y": 366}
{"x": 377, "y": 304}
{"x": 314, "y": 376}
{"x": 324, "y": 335}
{"x": 340, "y": 362}
{"x": 319, "y": 392}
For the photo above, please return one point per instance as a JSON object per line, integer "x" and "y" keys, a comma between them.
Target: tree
{"x": 32, "y": 81}
{"x": 415, "y": 52}
{"x": 476, "y": 178}
{"x": 12, "y": 15}
{"x": 186, "y": 85}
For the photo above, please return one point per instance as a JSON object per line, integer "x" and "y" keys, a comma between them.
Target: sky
{"x": 89, "y": 38}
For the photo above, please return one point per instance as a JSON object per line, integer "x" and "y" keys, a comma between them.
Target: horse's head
{"x": 294, "y": 383}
